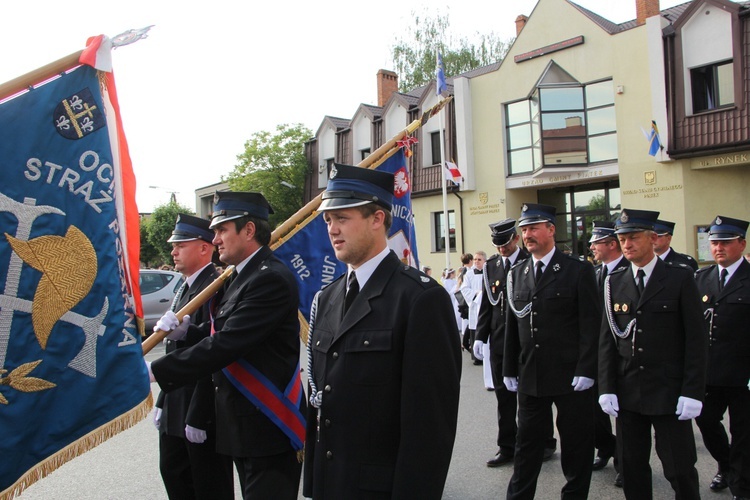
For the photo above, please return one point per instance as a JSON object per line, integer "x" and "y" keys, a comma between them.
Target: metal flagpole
{"x": 446, "y": 224}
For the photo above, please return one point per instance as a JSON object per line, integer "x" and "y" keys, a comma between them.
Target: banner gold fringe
{"x": 82, "y": 445}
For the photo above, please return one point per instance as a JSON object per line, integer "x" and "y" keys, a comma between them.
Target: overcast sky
{"x": 210, "y": 74}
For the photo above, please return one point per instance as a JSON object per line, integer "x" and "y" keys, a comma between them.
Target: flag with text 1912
{"x": 71, "y": 366}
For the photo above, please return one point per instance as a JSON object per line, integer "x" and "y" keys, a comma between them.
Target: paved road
{"x": 126, "y": 466}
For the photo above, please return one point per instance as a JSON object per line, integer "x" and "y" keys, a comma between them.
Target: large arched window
{"x": 562, "y": 123}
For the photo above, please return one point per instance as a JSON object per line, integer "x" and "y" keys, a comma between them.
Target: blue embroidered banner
{"x": 71, "y": 366}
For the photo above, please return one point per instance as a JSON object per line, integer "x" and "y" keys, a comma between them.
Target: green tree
{"x": 160, "y": 226}
{"x": 274, "y": 164}
{"x": 414, "y": 54}
{"x": 149, "y": 255}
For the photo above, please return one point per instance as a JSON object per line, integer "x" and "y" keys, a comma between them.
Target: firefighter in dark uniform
{"x": 551, "y": 338}
{"x": 606, "y": 250}
{"x": 664, "y": 231}
{"x": 652, "y": 360}
{"x": 725, "y": 292}
{"x": 386, "y": 361}
{"x": 186, "y": 418}
{"x": 251, "y": 347}
{"x": 491, "y": 328}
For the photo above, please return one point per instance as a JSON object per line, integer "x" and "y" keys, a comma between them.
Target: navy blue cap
{"x": 190, "y": 228}
{"x": 727, "y": 228}
{"x": 602, "y": 229}
{"x": 662, "y": 227}
{"x": 533, "y": 213}
{"x": 632, "y": 221}
{"x": 230, "y": 205}
{"x": 350, "y": 186}
{"x": 503, "y": 231}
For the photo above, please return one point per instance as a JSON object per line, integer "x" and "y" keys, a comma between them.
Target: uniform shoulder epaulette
{"x": 519, "y": 262}
{"x": 704, "y": 269}
{"x": 619, "y": 270}
{"x": 418, "y": 276}
{"x": 678, "y": 265}
{"x": 494, "y": 257}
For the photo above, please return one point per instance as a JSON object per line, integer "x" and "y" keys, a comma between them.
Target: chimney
{"x": 520, "y": 23}
{"x": 645, "y": 9}
{"x": 387, "y": 85}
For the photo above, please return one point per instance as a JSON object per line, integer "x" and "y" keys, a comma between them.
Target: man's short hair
{"x": 262, "y": 228}
{"x": 371, "y": 208}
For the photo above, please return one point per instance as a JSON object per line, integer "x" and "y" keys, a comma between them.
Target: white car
{"x": 158, "y": 289}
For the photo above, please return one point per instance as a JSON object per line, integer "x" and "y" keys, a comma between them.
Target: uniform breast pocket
{"x": 559, "y": 299}
{"x": 369, "y": 357}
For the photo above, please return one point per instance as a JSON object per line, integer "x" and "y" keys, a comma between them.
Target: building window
{"x": 560, "y": 125}
{"x": 577, "y": 208}
{"x": 364, "y": 153}
{"x": 438, "y": 228}
{"x": 712, "y": 86}
{"x": 435, "y": 143}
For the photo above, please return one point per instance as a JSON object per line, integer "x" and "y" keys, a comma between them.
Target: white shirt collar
{"x": 666, "y": 252}
{"x": 545, "y": 260}
{"x": 239, "y": 267}
{"x": 191, "y": 279}
{"x": 365, "y": 270}
{"x": 648, "y": 269}
{"x": 513, "y": 257}
{"x": 731, "y": 269}
{"x": 613, "y": 264}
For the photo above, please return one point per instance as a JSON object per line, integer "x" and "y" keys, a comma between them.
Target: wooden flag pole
{"x": 39, "y": 75}
{"x": 373, "y": 160}
{"x": 189, "y": 308}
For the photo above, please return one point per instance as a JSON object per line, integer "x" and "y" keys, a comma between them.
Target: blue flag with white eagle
{"x": 308, "y": 252}
{"x": 71, "y": 365}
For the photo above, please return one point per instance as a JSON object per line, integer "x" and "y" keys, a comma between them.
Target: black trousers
{"x": 604, "y": 440}
{"x": 675, "y": 446}
{"x": 734, "y": 458}
{"x": 194, "y": 471}
{"x": 575, "y": 423}
{"x": 507, "y": 406}
{"x": 274, "y": 477}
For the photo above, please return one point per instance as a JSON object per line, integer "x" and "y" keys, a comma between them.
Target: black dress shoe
{"x": 718, "y": 483}
{"x": 499, "y": 460}
{"x": 618, "y": 480}
{"x": 600, "y": 463}
{"x": 548, "y": 453}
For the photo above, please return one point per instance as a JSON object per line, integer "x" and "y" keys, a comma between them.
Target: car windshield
{"x": 153, "y": 282}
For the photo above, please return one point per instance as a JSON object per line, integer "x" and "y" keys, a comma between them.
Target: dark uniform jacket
{"x": 681, "y": 258}
{"x": 255, "y": 320}
{"x": 729, "y": 337}
{"x": 623, "y": 262}
{"x": 491, "y": 322}
{"x": 192, "y": 404}
{"x": 667, "y": 359}
{"x": 389, "y": 374}
{"x": 565, "y": 315}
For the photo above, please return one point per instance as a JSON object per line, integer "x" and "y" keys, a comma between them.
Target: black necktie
{"x": 723, "y": 279}
{"x": 477, "y": 271}
{"x": 352, "y": 292}
{"x": 602, "y": 276}
{"x": 538, "y": 275}
{"x": 641, "y": 275}
{"x": 507, "y": 267}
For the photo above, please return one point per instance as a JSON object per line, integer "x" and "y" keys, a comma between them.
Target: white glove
{"x": 170, "y": 323}
{"x": 511, "y": 383}
{"x": 478, "y": 348}
{"x": 194, "y": 435}
{"x": 582, "y": 383}
{"x": 167, "y": 323}
{"x": 157, "y": 418}
{"x": 688, "y": 408}
{"x": 150, "y": 373}
{"x": 609, "y": 404}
